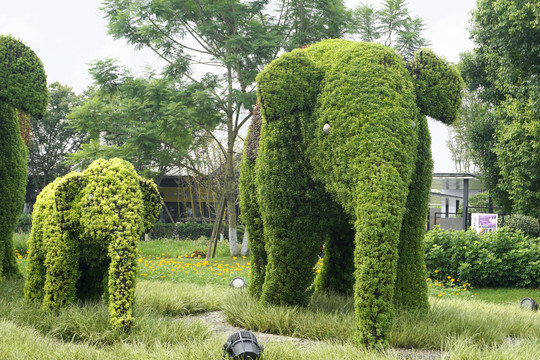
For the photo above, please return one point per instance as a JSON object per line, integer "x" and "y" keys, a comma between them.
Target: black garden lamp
{"x": 242, "y": 345}
{"x": 528, "y": 303}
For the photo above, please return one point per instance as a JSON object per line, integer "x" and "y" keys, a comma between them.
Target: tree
{"x": 391, "y": 26}
{"x": 460, "y": 145}
{"x": 504, "y": 68}
{"x": 234, "y": 39}
{"x": 151, "y": 122}
{"x": 315, "y": 20}
{"x": 52, "y": 138}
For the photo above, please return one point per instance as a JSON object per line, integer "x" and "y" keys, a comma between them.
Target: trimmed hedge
{"x": 502, "y": 258}
{"x": 23, "y": 83}
{"x": 83, "y": 243}
{"x": 23, "y": 86}
{"x": 189, "y": 230}
{"x": 410, "y": 289}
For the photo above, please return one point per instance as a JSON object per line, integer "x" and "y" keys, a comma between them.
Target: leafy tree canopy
{"x": 392, "y": 25}
{"x": 52, "y": 138}
{"x": 151, "y": 122}
{"x": 230, "y": 42}
{"x": 504, "y": 69}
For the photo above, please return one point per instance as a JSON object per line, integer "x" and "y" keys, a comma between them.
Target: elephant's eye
{"x": 326, "y": 128}
{"x": 413, "y": 124}
{"x": 91, "y": 196}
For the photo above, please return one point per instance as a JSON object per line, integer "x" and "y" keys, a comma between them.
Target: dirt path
{"x": 217, "y": 323}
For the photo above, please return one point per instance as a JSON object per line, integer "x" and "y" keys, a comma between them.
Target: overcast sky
{"x": 69, "y": 34}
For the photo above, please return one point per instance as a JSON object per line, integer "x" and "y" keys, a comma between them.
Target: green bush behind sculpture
{"x": 502, "y": 258}
{"x": 84, "y": 238}
{"x": 361, "y": 187}
{"x": 23, "y": 87}
{"x": 527, "y": 224}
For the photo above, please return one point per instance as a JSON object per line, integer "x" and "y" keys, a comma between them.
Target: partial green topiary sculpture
{"x": 23, "y": 87}
{"x": 83, "y": 243}
{"x": 343, "y": 157}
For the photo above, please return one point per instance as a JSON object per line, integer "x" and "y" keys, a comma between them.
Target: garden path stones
{"x": 218, "y": 324}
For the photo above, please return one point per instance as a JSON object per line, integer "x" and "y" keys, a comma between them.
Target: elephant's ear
{"x": 438, "y": 86}
{"x": 152, "y": 203}
{"x": 65, "y": 197}
{"x": 23, "y": 83}
{"x": 288, "y": 84}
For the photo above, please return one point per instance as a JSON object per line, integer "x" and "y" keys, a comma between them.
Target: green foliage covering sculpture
{"x": 84, "y": 238}
{"x": 23, "y": 89}
{"x": 342, "y": 157}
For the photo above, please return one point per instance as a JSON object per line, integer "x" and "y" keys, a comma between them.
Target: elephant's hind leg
{"x": 35, "y": 276}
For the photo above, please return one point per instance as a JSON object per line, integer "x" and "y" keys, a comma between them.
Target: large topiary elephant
{"x": 23, "y": 89}
{"x": 340, "y": 154}
{"x": 85, "y": 231}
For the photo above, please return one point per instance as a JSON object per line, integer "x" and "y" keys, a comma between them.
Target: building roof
{"x": 455, "y": 181}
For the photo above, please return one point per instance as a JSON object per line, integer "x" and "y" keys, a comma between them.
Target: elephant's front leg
{"x": 122, "y": 276}
{"x": 410, "y": 286}
{"x": 62, "y": 263}
{"x": 290, "y": 201}
{"x": 380, "y": 199}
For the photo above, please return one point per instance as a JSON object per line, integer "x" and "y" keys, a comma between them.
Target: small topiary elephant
{"x": 23, "y": 90}
{"x": 340, "y": 154}
{"x": 85, "y": 231}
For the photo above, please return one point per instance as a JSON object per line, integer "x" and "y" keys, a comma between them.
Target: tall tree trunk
{"x": 229, "y": 168}
{"x": 231, "y": 199}
{"x": 245, "y": 245}
{"x": 215, "y": 229}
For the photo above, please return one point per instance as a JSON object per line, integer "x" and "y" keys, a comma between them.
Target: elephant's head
{"x": 109, "y": 196}
{"x": 23, "y": 83}
{"x": 362, "y": 104}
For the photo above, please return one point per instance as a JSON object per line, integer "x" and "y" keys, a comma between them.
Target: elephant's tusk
{"x": 326, "y": 128}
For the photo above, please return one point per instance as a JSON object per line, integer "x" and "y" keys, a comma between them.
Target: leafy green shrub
{"x": 24, "y": 224}
{"x": 503, "y": 258}
{"x": 190, "y": 230}
{"x": 527, "y": 224}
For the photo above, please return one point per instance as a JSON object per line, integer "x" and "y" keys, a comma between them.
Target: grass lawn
{"x": 506, "y": 296}
{"x": 173, "y": 284}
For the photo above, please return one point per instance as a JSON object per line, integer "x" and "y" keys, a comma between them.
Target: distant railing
{"x": 459, "y": 214}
